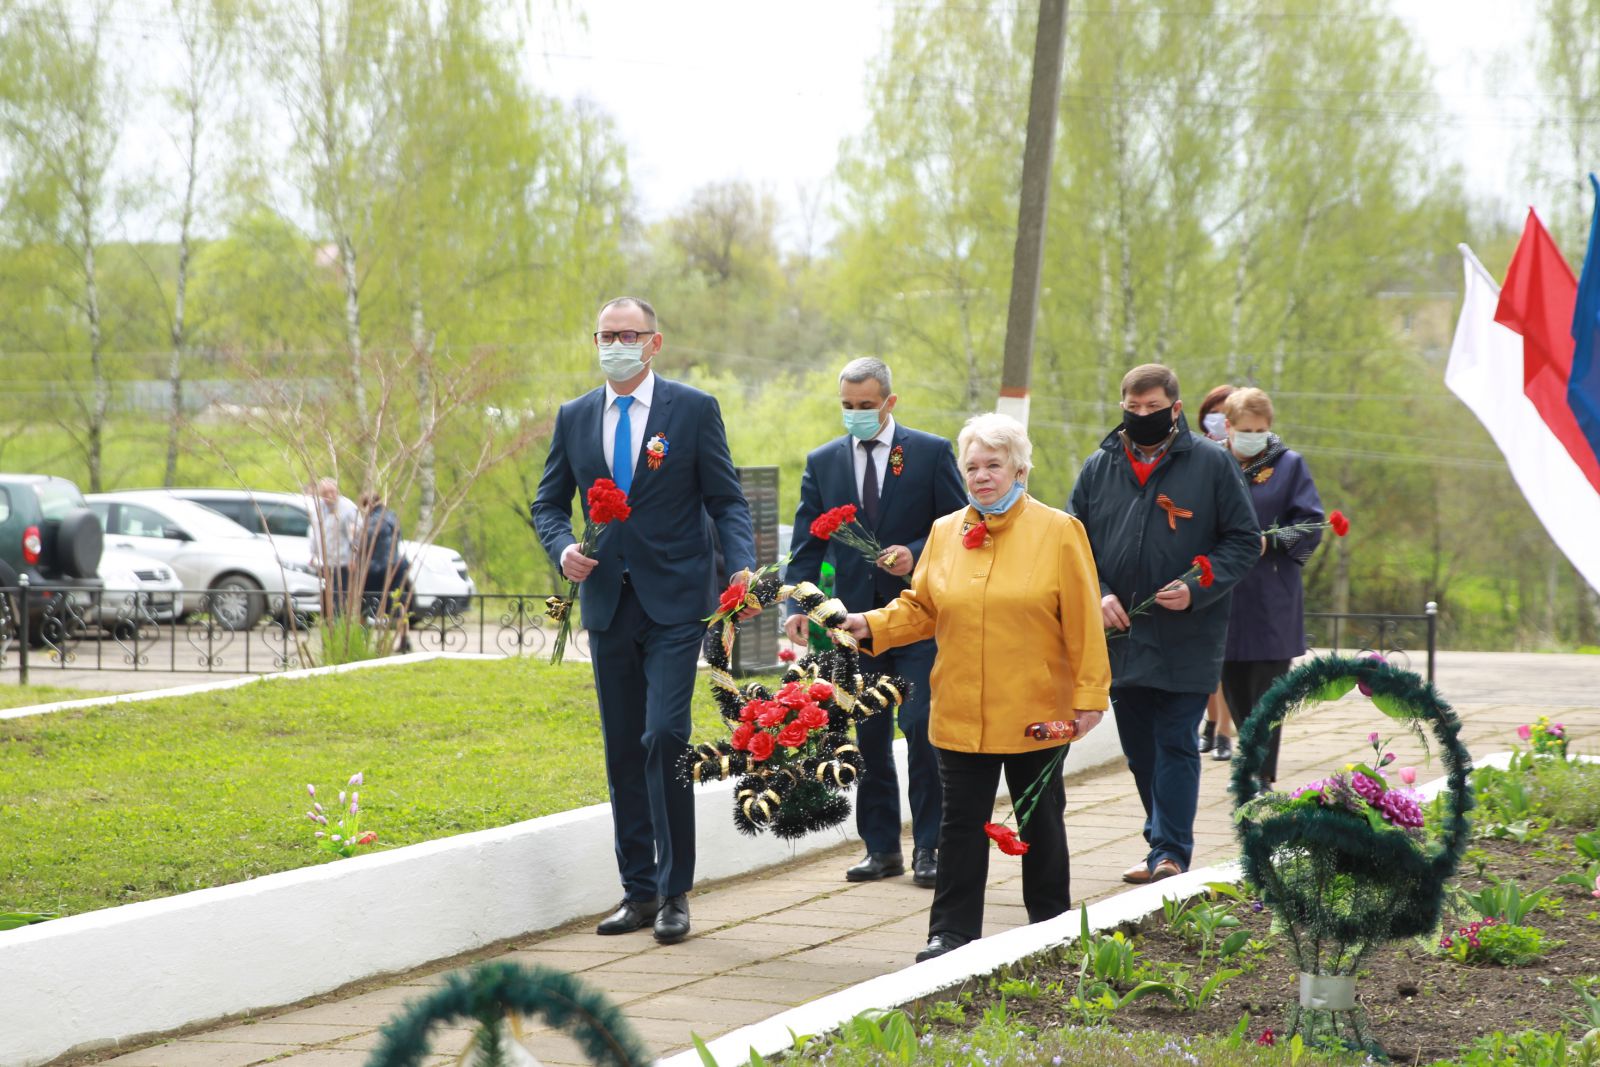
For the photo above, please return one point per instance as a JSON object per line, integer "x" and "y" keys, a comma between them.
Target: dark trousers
{"x": 1243, "y": 683}
{"x": 645, "y": 673}
{"x": 1157, "y": 729}
{"x": 878, "y": 792}
{"x": 971, "y": 780}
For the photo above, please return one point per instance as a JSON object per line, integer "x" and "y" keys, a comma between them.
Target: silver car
{"x": 438, "y": 575}
{"x": 242, "y": 573}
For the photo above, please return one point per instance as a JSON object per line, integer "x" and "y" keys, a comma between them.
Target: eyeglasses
{"x": 627, "y": 337}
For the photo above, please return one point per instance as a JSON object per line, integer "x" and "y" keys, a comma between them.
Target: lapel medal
{"x": 897, "y": 460}
{"x": 655, "y": 450}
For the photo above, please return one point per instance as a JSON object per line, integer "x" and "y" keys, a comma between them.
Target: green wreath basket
{"x": 791, "y": 790}
{"x": 1340, "y": 882}
{"x": 496, "y": 996}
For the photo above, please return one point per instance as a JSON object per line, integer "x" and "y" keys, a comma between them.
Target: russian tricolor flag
{"x": 1526, "y": 360}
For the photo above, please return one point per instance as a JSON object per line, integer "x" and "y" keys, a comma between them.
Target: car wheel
{"x": 236, "y": 602}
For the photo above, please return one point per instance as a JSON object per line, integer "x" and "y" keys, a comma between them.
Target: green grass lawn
{"x": 18, "y": 696}
{"x": 106, "y": 806}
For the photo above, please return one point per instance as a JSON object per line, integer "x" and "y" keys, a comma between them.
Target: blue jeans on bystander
{"x": 1157, "y": 730}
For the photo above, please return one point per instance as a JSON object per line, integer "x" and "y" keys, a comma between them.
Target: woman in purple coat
{"x": 1266, "y": 624}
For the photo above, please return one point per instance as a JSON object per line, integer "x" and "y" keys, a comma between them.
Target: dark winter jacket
{"x": 1267, "y": 620}
{"x": 1140, "y": 546}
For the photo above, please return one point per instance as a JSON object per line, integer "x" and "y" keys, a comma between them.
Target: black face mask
{"x": 1148, "y": 430}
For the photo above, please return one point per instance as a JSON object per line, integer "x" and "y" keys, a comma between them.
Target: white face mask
{"x": 619, "y": 362}
{"x": 1215, "y": 426}
{"x": 1246, "y": 445}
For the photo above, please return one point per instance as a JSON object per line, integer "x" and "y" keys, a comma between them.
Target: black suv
{"x": 48, "y": 533}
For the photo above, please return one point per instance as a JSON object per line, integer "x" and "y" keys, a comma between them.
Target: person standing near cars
{"x": 900, "y": 481}
{"x": 385, "y": 590}
{"x": 333, "y": 533}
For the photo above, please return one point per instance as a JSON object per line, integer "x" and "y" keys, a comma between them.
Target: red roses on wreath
{"x": 788, "y": 720}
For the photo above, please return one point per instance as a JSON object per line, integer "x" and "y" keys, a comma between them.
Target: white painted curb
{"x": 106, "y": 977}
{"x": 979, "y": 958}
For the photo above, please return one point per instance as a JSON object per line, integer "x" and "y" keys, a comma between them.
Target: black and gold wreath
{"x": 789, "y": 793}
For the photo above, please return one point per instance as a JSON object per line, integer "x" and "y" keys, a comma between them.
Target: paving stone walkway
{"x": 767, "y": 942}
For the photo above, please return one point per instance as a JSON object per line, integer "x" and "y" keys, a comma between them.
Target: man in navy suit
{"x": 645, "y": 592}
{"x": 900, "y": 480}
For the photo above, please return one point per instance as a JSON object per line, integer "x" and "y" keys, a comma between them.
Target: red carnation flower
{"x": 1267, "y": 1037}
{"x": 825, "y": 525}
{"x": 1206, "y": 576}
{"x": 732, "y": 598}
{"x": 749, "y": 712}
{"x": 812, "y": 717}
{"x": 741, "y": 736}
{"x": 973, "y": 538}
{"x": 786, "y": 655}
{"x": 820, "y": 691}
{"x": 793, "y": 735}
{"x": 761, "y": 746}
{"x": 607, "y": 503}
{"x": 1340, "y": 524}
{"x": 1006, "y": 838}
{"x": 771, "y": 713}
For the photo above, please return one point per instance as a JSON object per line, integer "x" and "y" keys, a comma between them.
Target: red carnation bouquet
{"x": 1335, "y": 521}
{"x": 785, "y": 729}
{"x": 1004, "y": 837}
{"x": 607, "y": 504}
{"x": 1199, "y": 571}
{"x": 841, "y": 522}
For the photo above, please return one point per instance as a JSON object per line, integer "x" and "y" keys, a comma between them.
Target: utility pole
{"x": 1032, "y": 210}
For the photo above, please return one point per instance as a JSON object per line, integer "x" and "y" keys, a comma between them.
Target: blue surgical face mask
{"x": 619, "y": 362}
{"x": 862, "y": 425}
{"x": 1001, "y": 505}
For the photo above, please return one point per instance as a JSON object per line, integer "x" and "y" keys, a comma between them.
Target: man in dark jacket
{"x": 1153, "y": 497}
{"x": 900, "y": 480}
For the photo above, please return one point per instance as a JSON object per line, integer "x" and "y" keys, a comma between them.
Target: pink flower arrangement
{"x": 343, "y": 837}
{"x": 1547, "y": 738}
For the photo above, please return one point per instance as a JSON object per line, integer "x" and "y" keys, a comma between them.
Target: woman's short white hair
{"x": 1001, "y": 433}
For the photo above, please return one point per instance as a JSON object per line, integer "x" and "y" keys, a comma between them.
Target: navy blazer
{"x": 1268, "y": 618}
{"x": 928, "y": 487}
{"x": 665, "y": 541}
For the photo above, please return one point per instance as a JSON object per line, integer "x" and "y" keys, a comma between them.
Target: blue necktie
{"x": 622, "y": 446}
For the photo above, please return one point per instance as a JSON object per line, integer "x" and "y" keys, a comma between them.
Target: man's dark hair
{"x": 1148, "y": 376}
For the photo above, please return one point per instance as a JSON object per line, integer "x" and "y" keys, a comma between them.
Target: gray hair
{"x": 630, "y": 301}
{"x": 1001, "y": 433}
{"x": 859, "y": 370}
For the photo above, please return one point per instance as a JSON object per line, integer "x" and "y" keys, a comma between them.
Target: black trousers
{"x": 1243, "y": 684}
{"x": 970, "y": 781}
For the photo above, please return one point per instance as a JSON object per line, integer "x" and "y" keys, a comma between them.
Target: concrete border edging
{"x": 217, "y": 953}
{"x": 775, "y": 1034}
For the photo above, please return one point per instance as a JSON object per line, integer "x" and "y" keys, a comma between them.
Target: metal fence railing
{"x": 205, "y": 632}
{"x": 44, "y": 629}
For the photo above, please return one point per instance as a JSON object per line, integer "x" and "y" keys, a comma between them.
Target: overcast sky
{"x": 706, "y": 90}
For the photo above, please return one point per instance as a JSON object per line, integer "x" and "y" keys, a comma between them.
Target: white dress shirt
{"x": 880, "y": 457}
{"x": 637, "y": 414}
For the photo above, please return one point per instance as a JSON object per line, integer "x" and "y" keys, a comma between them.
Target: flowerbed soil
{"x": 1422, "y": 1006}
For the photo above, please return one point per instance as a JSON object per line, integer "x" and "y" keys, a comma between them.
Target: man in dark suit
{"x": 900, "y": 480}
{"x": 645, "y": 592}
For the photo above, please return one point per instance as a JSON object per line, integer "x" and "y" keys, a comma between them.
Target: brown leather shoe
{"x": 1138, "y": 874}
{"x": 1165, "y": 869}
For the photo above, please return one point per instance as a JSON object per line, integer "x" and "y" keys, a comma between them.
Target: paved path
{"x": 768, "y": 942}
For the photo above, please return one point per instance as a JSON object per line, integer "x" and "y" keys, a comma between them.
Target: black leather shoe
{"x": 1224, "y": 749}
{"x": 630, "y": 915}
{"x": 925, "y": 867}
{"x": 672, "y": 921}
{"x": 939, "y": 944}
{"x": 877, "y": 865}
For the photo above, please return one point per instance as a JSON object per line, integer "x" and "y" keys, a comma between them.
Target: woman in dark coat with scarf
{"x": 1266, "y": 623}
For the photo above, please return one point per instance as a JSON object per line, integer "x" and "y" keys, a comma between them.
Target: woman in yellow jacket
{"x": 1009, "y": 590}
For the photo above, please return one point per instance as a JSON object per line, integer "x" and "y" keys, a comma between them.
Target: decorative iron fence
{"x": 1395, "y": 637}
{"x": 205, "y": 632}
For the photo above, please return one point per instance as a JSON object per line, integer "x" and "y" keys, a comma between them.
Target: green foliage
{"x": 1503, "y": 900}
{"x": 1530, "y": 1048}
{"x": 1538, "y": 793}
{"x": 21, "y": 696}
{"x": 11, "y": 920}
{"x": 1200, "y": 922}
{"x": 1502, "y": 944}
{"x": 98, "y": 803}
